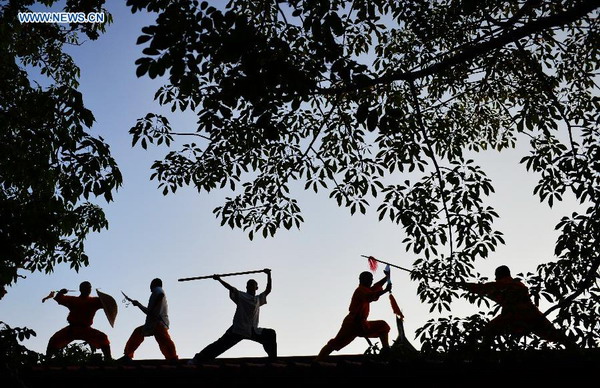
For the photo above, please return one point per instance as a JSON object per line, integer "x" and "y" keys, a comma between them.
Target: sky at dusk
{"x": 315, "y": 269}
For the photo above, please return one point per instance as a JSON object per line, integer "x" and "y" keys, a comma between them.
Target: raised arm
{"x": 59, "y": 297}
{"x": 383, "y": 280}
{"x": 269, "y": 282}
{"x": 380, "y": 290}
{"x": 224, "y": 283}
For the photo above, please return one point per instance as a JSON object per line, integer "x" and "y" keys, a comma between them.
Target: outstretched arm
{"x": 477, "y": 288}
{"x": 153, "y": 308}
{"x": 59, "y": 297}
{"x": 137, "y": 304}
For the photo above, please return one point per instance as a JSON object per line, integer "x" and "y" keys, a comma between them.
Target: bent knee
{"x": 269, "y": 333}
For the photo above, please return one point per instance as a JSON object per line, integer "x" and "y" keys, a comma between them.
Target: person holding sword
{"x": 156, "y": 324}
{"x": 82, "y": 309}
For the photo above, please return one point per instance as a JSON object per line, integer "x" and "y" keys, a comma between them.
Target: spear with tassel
{"x": 373, "y": 264}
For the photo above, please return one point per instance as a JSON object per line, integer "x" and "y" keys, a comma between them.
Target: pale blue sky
{"x": 315, "y": 269}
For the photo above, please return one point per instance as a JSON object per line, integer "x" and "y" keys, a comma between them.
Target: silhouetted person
{"x": 519, "y": 316}
{"x": 82, "y": 309}
{"x": 355, "y": 324}
{"x": 156, "y": 325}
{"x": 245, "y": 321}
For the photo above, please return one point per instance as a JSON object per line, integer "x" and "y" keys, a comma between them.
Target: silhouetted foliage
{"x": 76, "y": 353}
{"x": 13, "y": 355}
{"x": 50, "y": 164}
{"x": 383, "y": 103}
{"x": 12, "y": 351}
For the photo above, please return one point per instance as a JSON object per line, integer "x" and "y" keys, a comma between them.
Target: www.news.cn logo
{"x": 61, "y": 17}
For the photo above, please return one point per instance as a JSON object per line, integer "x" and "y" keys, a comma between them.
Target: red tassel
{"x": 395, "y": 307}
{"x": 372, "y": 263}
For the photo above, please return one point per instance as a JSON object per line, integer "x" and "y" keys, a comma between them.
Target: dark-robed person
{"x": 519, "y": 315}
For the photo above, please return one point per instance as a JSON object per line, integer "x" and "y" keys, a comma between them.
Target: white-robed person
{"x": 245, "y": 321}
{"x": 156, "y": 324}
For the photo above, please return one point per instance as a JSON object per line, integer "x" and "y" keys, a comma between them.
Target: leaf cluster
{"x": 50, "y": 166}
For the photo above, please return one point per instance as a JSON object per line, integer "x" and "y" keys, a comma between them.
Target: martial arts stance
{"x": 82, "y": 309}
{"x": 156, "y": 324}
{"x": 518, "y": 316}
{"x": 245, "y": 321}
{"x": 356, "y": 324}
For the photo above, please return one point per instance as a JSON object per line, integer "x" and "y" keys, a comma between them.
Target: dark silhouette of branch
{"x": 528, "y": 6}
{"x": 472, "y": 51}
{"x": 587, "y": 281}
{"x": 190, "y": 134}
{"x": 413, "y": 91}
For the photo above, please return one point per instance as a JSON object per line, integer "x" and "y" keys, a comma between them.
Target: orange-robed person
{"x": 356, "y": 323}
{"x": 82, "y": 309}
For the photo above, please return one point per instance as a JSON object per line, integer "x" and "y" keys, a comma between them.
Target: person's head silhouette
{"x": 155, "y": 283}
{"x": 365, "y": 278}
{"x": 251, "y": 287}
{"x": 502, "y": 272}
{"x": 85, "y": 288}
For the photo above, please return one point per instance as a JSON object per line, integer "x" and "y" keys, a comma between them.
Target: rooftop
{"x": 522, "y": 369}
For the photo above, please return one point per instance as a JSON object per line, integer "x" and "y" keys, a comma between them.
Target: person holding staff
{"x": 245, "y": 321}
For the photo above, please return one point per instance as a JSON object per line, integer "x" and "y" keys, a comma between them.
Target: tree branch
{"x": 413, "y": 91}
{"x": 472, "y": 51}
{"x": 586, "y": 282}
{"x": 190, "y": 134}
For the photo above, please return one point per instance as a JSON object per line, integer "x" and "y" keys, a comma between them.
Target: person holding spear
{"x": 356, "y": 323}
{"x": 156, "y": 324}
{"x": 245, "y": 320}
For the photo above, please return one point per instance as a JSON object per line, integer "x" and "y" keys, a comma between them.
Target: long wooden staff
{"x": 221, "y": 275}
